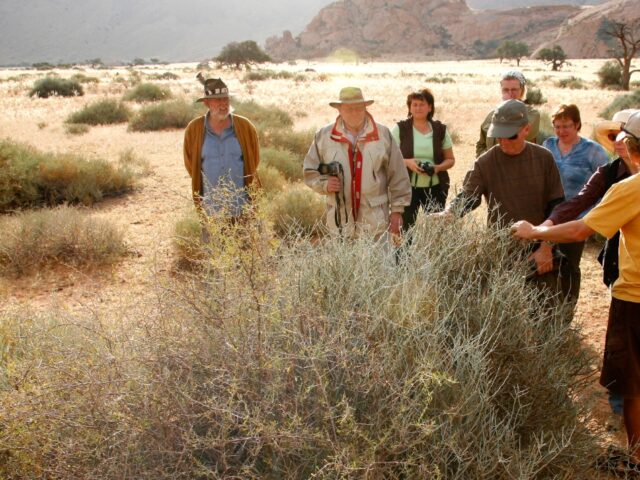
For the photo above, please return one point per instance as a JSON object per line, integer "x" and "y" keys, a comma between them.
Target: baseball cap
{"x": 631, "y": 128}
{"x": 508, "y": 118}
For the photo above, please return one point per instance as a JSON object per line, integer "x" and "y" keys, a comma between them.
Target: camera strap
{"x": 355, "y": 164}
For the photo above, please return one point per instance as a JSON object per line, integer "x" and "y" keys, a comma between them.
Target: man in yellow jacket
{"x": 221, "y": 154}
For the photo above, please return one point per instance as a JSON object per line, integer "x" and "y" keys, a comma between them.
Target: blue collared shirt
{"x": 222, "y": 171}
{"x": 577, "y": 166}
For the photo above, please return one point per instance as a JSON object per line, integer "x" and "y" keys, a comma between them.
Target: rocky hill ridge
{"x": 445, "y": 28}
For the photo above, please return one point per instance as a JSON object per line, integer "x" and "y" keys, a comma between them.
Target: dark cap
{"x": 508, "y": 119}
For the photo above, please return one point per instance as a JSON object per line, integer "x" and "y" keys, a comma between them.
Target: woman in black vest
{"x": 428, "y": 153}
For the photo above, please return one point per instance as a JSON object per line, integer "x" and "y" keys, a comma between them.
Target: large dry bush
{"x": 172, "y": 114}
{"x": 297, "y": 360}
{"x": 101, "y": 112}
{"x": 33, "y": 178}
{"x": 63, "y": 236}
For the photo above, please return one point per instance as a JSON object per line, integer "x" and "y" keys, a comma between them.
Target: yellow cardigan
{"x": 192, "y": 150}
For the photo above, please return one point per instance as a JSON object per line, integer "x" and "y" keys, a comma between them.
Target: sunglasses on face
{"x": 612, "y": 136}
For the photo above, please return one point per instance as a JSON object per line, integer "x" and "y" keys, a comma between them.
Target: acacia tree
{"x": 553, "y": 56}
{"x": 625, "y": 41}
{"x": 512, "y": 50}
{"x": 237, "y": 54}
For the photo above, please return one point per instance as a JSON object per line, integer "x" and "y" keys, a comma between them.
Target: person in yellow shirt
{"x": 619, "y": 210}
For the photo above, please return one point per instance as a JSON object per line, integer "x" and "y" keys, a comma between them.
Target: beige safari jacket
{"x": 385, "y": 185}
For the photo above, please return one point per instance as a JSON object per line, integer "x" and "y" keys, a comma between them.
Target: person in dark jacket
{"x": 428, "y": 153}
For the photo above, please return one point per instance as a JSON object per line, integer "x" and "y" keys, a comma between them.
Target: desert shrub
{"x": 266, "y": 117}
{"x": 546, "y": 127}
{"x": 271, "y": 179}
{"x": 164, "y": 116}
{"x": 147, "y": 92}
{"x": 259, "y": 75}
{"x": 48, "y": 86}
{"x": 572, "y": 82}
{"x": 297, "y": 209}
{"x": 439, "y": 79}
{"x": 299, "y": 360}
{"x": 286, "y": 162}
{"x": 82, "y": 78}
{"x": 102, "y": 112}
{"x": 295, "y": 141}
{"x": 32, "y": 178}
{"x": 610, "y": 74}
{"x": 622, "y": 102}
{"x": 76, "y": 128}
{"x": 187, "y": 235}
{"x": 163, "y": 76}
{"x": 534, "y": 96}
{"x": 65, "y": 235}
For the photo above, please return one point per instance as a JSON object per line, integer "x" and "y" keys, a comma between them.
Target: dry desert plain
{"x": 149, "y": 214}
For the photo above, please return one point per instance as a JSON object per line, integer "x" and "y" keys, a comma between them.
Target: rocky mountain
{"x": 437, "y": 28}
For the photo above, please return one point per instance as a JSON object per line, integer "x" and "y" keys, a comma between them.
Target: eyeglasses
{"x": 564, "y": 126}
{"x": 612, "y": 136}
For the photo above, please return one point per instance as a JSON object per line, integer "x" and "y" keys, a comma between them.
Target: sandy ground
{"x": 149, "y": 214}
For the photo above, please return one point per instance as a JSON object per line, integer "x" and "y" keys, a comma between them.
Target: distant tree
{"x": 95, "y": 62}
{"x": 624, "y": 41}
{"x": 553, "y": 56}
{"x": 43, "y": 66}
{"x": 138, "y": 61}
{"x": 237, "y": 54}
{"x": 512, "y": 50}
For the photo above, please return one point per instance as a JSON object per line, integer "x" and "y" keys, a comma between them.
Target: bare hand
{"x": 395, "y": 223}
{"x": 412, "y": 165}
{"x": 333, "y": 184}
{"x": 522, "y": 230}
{"x": 543, "y": 257}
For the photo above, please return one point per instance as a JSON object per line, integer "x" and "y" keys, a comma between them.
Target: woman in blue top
{"x": 428, "y": 153}
{"x": 577, "y": 158}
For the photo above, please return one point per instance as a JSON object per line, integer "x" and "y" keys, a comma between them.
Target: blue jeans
{"x": 616, "y": 402}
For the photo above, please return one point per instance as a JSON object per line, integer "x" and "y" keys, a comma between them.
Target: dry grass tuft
{"x": 64, "y": 236}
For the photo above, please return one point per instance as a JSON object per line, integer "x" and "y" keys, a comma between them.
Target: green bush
{"x": 572, "y": 82}
{"x": 32, "y": 178}
{"x": 102, "y": 112}
{"x": 286, "y": 162}
{"x": 546, "y": 127}
{"x": 187, "y": 237}
{"x": 297, "y": 210}
{"x": 267, "y": 117}
{"x": 82, "y": 78}
{"x": 610, "y": 75}
{"x": 271, "y": 179}
{"x": 260, "y": 75}
{"x": 165, "y": 116}
{"x": 163, "y": 76}
{"x": 64, "y": 236}
{"x": 622, "y": 102}
{"x": 48, "y": 86}
{"x": 147, "y": 92}
{"x": 297, "y": 142}
{"x": 534, "y": 96}
{"x": 307, "y": 359}
{"x": 76, "y": 128}
{"x": 439, "y": 79}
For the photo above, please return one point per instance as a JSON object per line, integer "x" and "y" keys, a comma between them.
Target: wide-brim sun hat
{"x": 351, "y": 96}
{"x": 508, "y": 119}
{"x": 608, "y": 130}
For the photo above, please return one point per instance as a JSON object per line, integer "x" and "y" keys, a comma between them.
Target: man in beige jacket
{"x": 358, "y": 165}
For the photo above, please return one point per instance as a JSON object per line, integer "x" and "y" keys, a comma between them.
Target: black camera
{"x": 427, "y": 168}
{"x": 333, "y": 168}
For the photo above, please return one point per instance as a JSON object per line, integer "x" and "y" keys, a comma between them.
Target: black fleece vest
{"x": 406, "y": 146}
